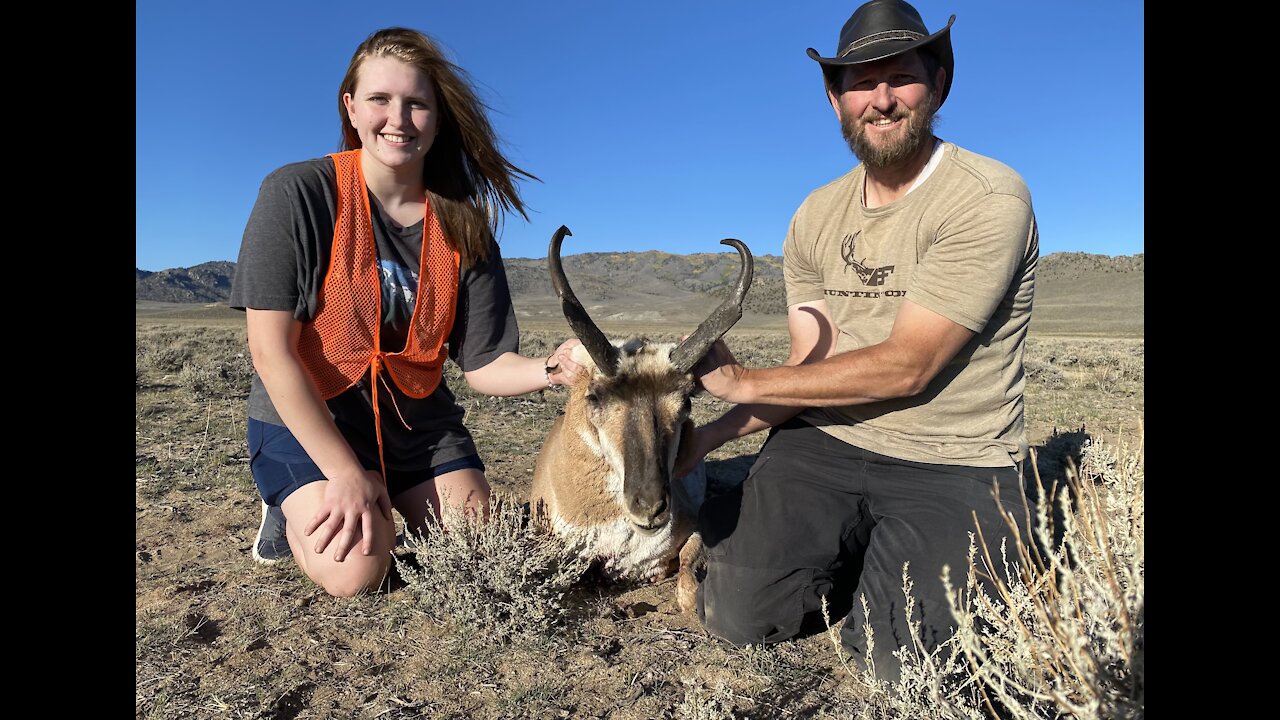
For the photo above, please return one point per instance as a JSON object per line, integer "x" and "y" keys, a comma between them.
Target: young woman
{"x": 359, "y": 272}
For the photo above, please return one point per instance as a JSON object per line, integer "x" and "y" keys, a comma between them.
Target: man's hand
{"x": 720, "y": 374}
{"x": 701, "y": 444}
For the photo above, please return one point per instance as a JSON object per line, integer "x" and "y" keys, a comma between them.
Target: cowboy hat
{"x": 880, "y": 29}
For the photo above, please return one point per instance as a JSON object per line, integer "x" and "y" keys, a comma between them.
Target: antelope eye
{"x": 593, "y": 400}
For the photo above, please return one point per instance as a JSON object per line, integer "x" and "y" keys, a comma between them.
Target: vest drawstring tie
{"x": 394, "y": 405}
{"x": 375, "y": 371}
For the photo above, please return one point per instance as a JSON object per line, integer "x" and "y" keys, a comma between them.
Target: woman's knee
{"x": 354, "y": 576}
{"x": 466, "y": 491}
{"x": 357, "y": 572}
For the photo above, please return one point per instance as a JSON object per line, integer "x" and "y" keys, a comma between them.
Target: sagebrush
{"x": 502, "y": 575}
{"x": 1046, "y": 626}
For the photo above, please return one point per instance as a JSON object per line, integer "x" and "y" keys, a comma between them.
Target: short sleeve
{"x": 287, "y": 240}
{"x": 802, "y": 276}
{"x": 265, "y": 277}
{"x": 485, "y": 325}
{"x": 969, "y": 269}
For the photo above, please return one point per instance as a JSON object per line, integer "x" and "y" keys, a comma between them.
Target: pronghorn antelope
{"x": 603, "y": 477}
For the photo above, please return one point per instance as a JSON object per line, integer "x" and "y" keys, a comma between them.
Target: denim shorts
{"x": 280, "y": 465}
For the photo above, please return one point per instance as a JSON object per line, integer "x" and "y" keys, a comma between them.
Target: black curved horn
{"x": 696, "y": 345}
{"x": 598, "y": 346}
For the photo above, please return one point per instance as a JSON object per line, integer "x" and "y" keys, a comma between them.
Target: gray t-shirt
{"x": 963, "y": 244}
{"x": 283, "y": 260}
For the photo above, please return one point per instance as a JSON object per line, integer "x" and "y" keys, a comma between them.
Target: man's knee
{"x": 747, "y": 606}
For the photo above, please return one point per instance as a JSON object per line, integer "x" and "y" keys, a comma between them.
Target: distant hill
{"x": 1079, "y": 293}
{"x": 204, "y": 283}
{"x": 643, "y": 277}
{"x": 1076, "y": 293}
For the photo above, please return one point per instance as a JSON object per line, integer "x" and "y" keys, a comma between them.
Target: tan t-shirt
{"x": 964, "y": 245}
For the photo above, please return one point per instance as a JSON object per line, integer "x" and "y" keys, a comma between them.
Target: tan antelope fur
{"x": 612, "y": 427}
{"x": 603, "y": 476}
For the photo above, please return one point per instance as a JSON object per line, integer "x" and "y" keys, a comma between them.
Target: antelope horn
{"x": 696, "y": 345}
{"x": 598, "y": 346}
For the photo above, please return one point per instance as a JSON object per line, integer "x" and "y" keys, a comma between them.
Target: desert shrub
{"x": 227, "y": 377}
{"x": 1044, "y": 374}
{"x": 1114, "y": 368}
{"x": 1118, "y": 373}
{"x": 705, "y": 703}
{"x": 1065, "y": 630}
{"x": 1067, "y": 359}
{"x": 502, "y": 576}
{"x": 1099, "y": 355}
{"x": 931, "y": 685}
{"x": 756, "y": 350}
{"x": 166, "y": 355}
{"x": 170, "y": 350}
{"x": 1058, "y": 628}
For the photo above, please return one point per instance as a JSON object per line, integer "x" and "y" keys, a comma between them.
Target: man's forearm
{"x": 860, "y": 376}
{"x": 743, "y": 420}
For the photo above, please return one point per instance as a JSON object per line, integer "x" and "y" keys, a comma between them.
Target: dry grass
{"x": 1098, "y": 383}
{"x": 219, "y": 636}
{"x": 1065, "y": 629}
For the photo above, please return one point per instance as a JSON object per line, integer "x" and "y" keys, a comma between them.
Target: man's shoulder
{"x": 992, "y": 175}
{"x": 835, "y": 192}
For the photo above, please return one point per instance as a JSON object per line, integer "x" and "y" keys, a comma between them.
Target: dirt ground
{"x": 218, "y": 635}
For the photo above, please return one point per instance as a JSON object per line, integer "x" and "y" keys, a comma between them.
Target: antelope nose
{"x": 658, "y": 514}
{"x": 651, "y": 516}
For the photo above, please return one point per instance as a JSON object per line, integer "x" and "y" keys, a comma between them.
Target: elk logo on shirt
{"x": 868, "y": 275}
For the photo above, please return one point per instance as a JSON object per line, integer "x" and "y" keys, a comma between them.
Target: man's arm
{"x": 921, "y": 343}
{"x": 813, "y": 337}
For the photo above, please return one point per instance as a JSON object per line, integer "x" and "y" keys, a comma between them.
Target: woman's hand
{"x": 561, "y": 367}
{"x": 511, "y": 374}
{"x": 346, "y": 515}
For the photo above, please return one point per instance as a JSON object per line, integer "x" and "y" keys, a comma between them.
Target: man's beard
{"x": 882, "y": 156}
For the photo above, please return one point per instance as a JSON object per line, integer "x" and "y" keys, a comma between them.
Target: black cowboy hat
{"x": 883, "y": 28}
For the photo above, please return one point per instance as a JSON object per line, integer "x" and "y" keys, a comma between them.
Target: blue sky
{"x": 653, "y": 125}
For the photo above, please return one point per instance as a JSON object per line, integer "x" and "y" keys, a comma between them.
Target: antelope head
{"x": 631, "y": 409}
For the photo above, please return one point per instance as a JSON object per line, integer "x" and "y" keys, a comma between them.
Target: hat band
{"x": 879, "y": 37}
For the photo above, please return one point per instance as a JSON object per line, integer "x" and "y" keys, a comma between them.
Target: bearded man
{"x": 909, "y": 285}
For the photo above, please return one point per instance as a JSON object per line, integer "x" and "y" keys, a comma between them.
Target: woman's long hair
{"x": 471, "y": 185}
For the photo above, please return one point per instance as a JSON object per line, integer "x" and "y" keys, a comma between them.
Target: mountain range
{"x": 1075, "y": 292}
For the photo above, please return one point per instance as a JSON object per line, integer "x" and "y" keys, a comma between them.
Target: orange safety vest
{"x": 342, "y": 342}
